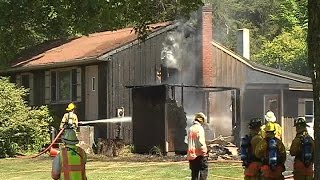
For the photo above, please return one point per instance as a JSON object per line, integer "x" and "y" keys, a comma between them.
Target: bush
{"x": 22, "y": 128}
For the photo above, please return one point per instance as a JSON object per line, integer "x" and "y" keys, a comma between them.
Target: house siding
{"x": 253, "y": 106}
{"x": 229, "y": 72}
{"x": 292, "y": 98}
{"x": 136, "y": 65}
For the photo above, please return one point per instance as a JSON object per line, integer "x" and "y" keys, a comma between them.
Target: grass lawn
{"x": 40, "y": 168}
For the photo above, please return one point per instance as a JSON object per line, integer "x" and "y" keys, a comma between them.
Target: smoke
{"x": 171, "y": 51}
{"x": 179, "y": 49}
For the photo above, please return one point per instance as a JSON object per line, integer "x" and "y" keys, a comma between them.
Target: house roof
{"x": 262, "y": 68}
{"x": 79, "y": 50}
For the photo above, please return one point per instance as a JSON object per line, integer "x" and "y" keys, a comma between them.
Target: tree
{"x": 270, "y": 22}
{"x": 21, "y": 128}
{"x": 24, "y": 24}
{"x": 314, "y": 63}
{"x": 288, "y": 52}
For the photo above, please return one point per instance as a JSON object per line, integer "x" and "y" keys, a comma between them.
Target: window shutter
{"x": 301, "y": 107}
{"x": 31, "y": 96}
{"x": 47, "y": 87}
{"x": 18, "y": 79}
{"x": 78, "y": 84}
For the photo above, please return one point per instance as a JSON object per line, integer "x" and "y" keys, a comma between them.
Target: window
{"x": 306, "y": 109}
{"x": 309, "y": 111}
{"x": 26, "y": 80}
{"x": 64, "y": 86}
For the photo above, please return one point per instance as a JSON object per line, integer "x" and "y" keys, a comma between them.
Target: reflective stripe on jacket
{"x": 196, "y": 141}
{"x": 73, "y": 163}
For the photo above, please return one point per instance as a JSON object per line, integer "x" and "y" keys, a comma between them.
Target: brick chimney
{"x": 243, "y": 43}
{"x": 207, "y": 54}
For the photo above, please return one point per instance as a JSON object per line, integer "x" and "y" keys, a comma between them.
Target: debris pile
{"x": 220, "y": 149}
{"x": 109, "y": 147}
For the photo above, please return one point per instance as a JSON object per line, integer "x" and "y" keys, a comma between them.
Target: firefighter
{"x": 197, "y": 148}
{"x": 271, "y": 118}
{"x": 70, "y": 161}
{"x": 70, "y": 118}
{"x": 302, "y": 148}
{"x": 272, "y": 152}
{"x": 251, "y": 163}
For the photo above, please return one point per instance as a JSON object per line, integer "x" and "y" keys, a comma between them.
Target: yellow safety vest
{"x": 73, "y": 163}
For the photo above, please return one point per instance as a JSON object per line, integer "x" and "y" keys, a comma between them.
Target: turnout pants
{"x": 252, "y": 172}
{"x": 275, "y": 174}
{"x": 199, "y": 168}
{"x": 301, "y": 172}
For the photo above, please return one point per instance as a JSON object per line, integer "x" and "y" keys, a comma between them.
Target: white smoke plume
{"x": 177, "y": 43}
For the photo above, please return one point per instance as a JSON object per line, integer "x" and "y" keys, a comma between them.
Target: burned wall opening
{"x": 161, "y": 117}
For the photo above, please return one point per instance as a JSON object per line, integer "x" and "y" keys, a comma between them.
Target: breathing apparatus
{"x": 306, "y": 155}
{"x": 273, "y": 153}
{"x": 246, "y": 150}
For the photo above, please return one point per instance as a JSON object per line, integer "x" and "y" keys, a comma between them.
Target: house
{"x": 90, "y": 71}
{"x": 262, "y": 88}
{"x": 93, "y": 71}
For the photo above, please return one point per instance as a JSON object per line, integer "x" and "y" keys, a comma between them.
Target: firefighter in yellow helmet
{"x": 197, "y": 148}
{"x": 271, "y": 119}
{"x": 302, "y": 148}
{"x": 70, "y": 161}
{"x": 272, "y": 152}
{"x": 251, "y": 163}
{"x": 70, "y": 118}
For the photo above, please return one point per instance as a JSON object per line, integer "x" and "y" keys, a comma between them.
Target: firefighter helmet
{"x": 255, "y": 122}
{"x": 270, "y": 117}
{"x": 300, "y": 121}
{"x": 71, "y": 107}
{"x": 70, "y": 137}
{"x": 200, "y": 117}
{"x": 270, "y": 127}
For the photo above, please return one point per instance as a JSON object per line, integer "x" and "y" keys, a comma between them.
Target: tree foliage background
{"x": 22, "y": 128}
{"x": 24, "y": 24}
{"x": 27, "y": 23}
{"x": 273, "y": 25}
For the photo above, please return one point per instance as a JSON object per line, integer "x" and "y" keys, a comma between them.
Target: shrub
{"x": 22, "y": 128}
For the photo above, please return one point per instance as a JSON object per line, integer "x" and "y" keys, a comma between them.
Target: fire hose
{"x": 47, "y": 149}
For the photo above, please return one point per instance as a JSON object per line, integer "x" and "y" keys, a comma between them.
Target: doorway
{"x": 91, "y": 93}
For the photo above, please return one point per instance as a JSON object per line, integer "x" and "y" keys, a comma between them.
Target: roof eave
{"x": 75, "y": 62}
{"x": 106, "y": 56}
{"x": 264, "y": 69}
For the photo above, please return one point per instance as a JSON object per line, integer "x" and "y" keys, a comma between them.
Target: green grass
{"x": 40, "y": 168}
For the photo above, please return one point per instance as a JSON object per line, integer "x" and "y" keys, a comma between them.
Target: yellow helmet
{"x": 270, "y": 127}
{"x": 200, "y": 117}
{"x": 71, "y": 107}
{"x": 70, "y": 137}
